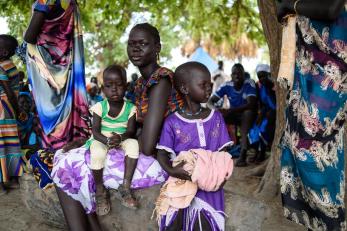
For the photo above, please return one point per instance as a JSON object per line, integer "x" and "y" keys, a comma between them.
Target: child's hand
{"x": 222, "y": 185}
{"x": 179, "y": 172}
{"x": 114, "y": 140}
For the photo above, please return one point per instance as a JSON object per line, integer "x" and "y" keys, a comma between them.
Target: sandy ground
{"x": 14, "y": 216}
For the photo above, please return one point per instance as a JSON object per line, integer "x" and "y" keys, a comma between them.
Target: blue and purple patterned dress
{"x": 312, "y": 162}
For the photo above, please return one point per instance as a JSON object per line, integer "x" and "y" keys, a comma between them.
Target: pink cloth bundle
{"x": 208, "y": 171}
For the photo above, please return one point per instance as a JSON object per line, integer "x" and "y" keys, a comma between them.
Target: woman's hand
{"x": 74, "y": 144}
{"x": 179, "y": 172}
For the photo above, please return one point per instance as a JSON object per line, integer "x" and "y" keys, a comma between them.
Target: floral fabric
{"x": 312, "y": 162}
{"x": 142, "y": 93}
{"x": 72, "y": 174}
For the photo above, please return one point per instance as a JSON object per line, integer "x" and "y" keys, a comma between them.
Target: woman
{"x": 55, "y": 66}
{"x": 312, "y": 163}
{"x": 10, "y": 153}
{"x": 155, "y": 98}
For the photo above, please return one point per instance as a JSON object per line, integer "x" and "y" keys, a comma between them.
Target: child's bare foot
{"x": 103, "y": 206}
{"x": 127, "y": 198}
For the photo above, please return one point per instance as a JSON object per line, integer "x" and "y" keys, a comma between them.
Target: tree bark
{"x": 268, "y": 188}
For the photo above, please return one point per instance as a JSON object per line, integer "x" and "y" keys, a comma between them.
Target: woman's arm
{"x": 34, "y": 27}
{"x": 158, "y": 99}
{"x": 320, "y": 10}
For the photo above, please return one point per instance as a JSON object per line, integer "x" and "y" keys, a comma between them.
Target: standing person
{"x": 155, "y": 99}
{"x": 242, "y": 95}
{"x": 219, "y": 77}
{"x": 266, "y": 118}
{"x": 312, "y": 162}
{"x": 193, "y": 127}
{"x": 10, "y": 152}
{"x": 55, "y": 65}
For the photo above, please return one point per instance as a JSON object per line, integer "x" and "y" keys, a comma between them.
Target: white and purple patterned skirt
{"x": 71, "y": 173}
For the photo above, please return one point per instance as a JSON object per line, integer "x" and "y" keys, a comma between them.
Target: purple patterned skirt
{"x": 71, "y": 173}
{"x": 207, "y": 204}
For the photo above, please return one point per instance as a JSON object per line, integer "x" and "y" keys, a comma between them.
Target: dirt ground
{"x": 14, "y": 216}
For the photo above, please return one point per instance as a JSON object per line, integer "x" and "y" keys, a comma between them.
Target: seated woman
{"x": 155, "y": 99}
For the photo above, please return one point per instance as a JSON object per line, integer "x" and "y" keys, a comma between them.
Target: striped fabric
{"x": 109, "y": 124}
{"x": 10, "y": 152}
{"x": 142, "y": 93}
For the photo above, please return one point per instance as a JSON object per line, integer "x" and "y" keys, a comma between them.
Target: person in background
{"x": 27, "y": 123}
{"x": 23, "y": 85}
{"x": 94, "y": 80}
{"x": 242, "y": 95}
{"x": 130, "y": 93}
{"x": 93, "y": 96}
{"x": 10, "y": 152}
{"x": 247, "y": 75}
{"x": 262, "y": 133}
{"x": 219, "y": 77}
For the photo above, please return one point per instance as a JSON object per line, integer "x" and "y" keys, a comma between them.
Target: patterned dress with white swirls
{"x": 312, "y": 162}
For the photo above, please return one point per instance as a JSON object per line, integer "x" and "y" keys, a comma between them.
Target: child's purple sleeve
{"x": 167, "y": 138}
{"x": 224, "y": 135}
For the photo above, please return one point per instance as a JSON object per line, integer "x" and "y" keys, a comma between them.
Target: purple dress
{"x": 180, "y": 134}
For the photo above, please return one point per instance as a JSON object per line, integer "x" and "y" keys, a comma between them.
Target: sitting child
{"x": 193, "y": 127}
{"x": 113, "y": 126}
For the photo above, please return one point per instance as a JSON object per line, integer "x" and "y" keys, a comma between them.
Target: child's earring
{"x": 184, "y": 90}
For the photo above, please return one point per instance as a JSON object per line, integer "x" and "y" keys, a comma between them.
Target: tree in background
{"x": 221, "y": 24}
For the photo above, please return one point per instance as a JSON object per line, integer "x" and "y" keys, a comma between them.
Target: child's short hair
{"x": 10, "y": 43}
{"x": 185, "y": 72}
{"x": 115, "y": 68}
{"x": 149, "y": 28}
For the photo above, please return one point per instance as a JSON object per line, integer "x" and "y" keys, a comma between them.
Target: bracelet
{"x": 295, "y": 5}
{"x": 120, "y": 137}
{"x": 108, "y": 141}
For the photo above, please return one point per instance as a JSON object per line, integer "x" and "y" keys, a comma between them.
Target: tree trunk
{"x": 269, "y": 185}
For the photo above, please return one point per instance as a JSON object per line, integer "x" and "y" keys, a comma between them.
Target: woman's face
{"x": 142, "y": 49}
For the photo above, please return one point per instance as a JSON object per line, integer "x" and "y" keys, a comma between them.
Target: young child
{"x": 193, "y": 127}
{"x": 10, "y": 153}
{"x": 113, "y": 126}
{"x": 28, "y": 124}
